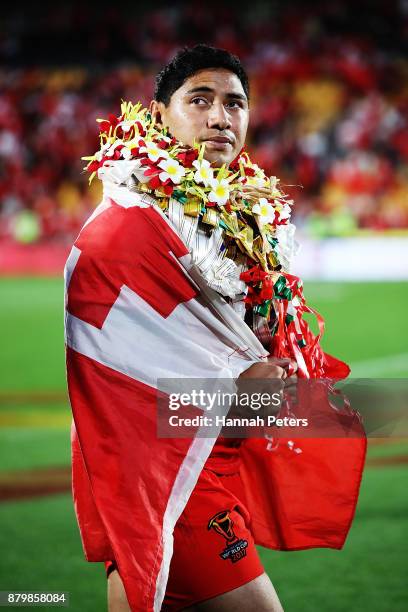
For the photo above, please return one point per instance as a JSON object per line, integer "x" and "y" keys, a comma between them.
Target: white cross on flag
{"x": 133, "y": 316}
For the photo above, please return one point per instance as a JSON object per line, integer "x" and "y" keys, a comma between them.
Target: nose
{"x": 218, "y": 117}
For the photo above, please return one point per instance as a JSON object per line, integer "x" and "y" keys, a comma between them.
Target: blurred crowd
{"x": 329, "y": 105}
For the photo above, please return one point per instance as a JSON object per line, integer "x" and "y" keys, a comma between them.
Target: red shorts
{"x": 214, "y": 551}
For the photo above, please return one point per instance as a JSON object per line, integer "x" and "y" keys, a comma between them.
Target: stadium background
{"x": 329, "y": 117}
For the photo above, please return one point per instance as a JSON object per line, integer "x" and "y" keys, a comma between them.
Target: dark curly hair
{"x": 188, "y": 61}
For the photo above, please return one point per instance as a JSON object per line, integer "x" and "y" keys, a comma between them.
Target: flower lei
{"x": 242, "y": 200}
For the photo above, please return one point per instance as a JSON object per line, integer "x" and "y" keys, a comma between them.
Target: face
{"x": 211, "y": 107}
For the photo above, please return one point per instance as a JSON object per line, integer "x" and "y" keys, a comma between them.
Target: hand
{"x": 269, "y": 377}
{"x": 275, "y": 367}
{"x": 265, "y": 377}
{"x": 290, "y": 380}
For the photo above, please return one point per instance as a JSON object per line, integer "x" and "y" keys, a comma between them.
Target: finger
{"x": 280, "y": 361}
{"x": 291, "y": 381}
{"x": 289, "y": 365}
{"x": 278, "y": 372}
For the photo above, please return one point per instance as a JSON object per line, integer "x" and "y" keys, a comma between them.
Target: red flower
{"x": 93, "y": 166}
{"x": 120, "y": 133}
{"x": 187, "y": 157}
{"x": 111, "y": 122}
{"x": 140, "y": 128}
{"x": 234, "y": 165}
{"x": 105, "y": 126}
{"x": 249, "y": 171}
{"x": 154, "y": 182}
{"x": 145, "y": 161}
{"x": 168, "y": 189}
{"x": 117, "y": 153}
{"x": 151, "y": 170}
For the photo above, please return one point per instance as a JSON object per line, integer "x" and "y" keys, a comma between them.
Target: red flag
{"x": 134, "y": 315}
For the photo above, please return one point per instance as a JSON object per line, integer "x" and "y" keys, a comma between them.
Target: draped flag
{"x": 138, "y": 311}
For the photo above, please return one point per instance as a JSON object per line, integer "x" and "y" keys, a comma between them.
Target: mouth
{"x": 219, "y": 143}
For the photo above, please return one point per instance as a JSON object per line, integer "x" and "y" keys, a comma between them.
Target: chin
{"x": 218, "y": 159}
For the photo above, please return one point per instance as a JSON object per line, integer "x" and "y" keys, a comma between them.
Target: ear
{"x": 155, "y": 109}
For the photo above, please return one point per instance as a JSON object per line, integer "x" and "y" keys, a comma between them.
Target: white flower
{"x": 101, "y": 152}
{"x": 258, "y": 171}
{"x": 257, "y": 181}
{"x": 265, "y": 210}
{"x": 172, "y": 170}
{"x": 204, "y": 172}
{"x": 284, "y": 212}
{"x": 126, "y": 153}
{"x": 125, "y": 125}
{"x": 220, "y": 191}
{"x": 153, "y": 151}
{"x": 112, "y": 148}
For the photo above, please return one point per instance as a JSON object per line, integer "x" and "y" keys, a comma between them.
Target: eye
{"x": 199, "y": 101}
{"x": 234, "y": 102}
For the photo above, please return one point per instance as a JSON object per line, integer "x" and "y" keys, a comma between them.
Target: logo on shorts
{"x": 223, "y": 524}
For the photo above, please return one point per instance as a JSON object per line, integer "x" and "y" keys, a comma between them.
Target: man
{"x": 201, "y": 96}
{"x": 210, "y": 105}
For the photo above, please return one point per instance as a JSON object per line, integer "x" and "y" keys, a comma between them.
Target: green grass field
{"x": 40, "y": 546}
